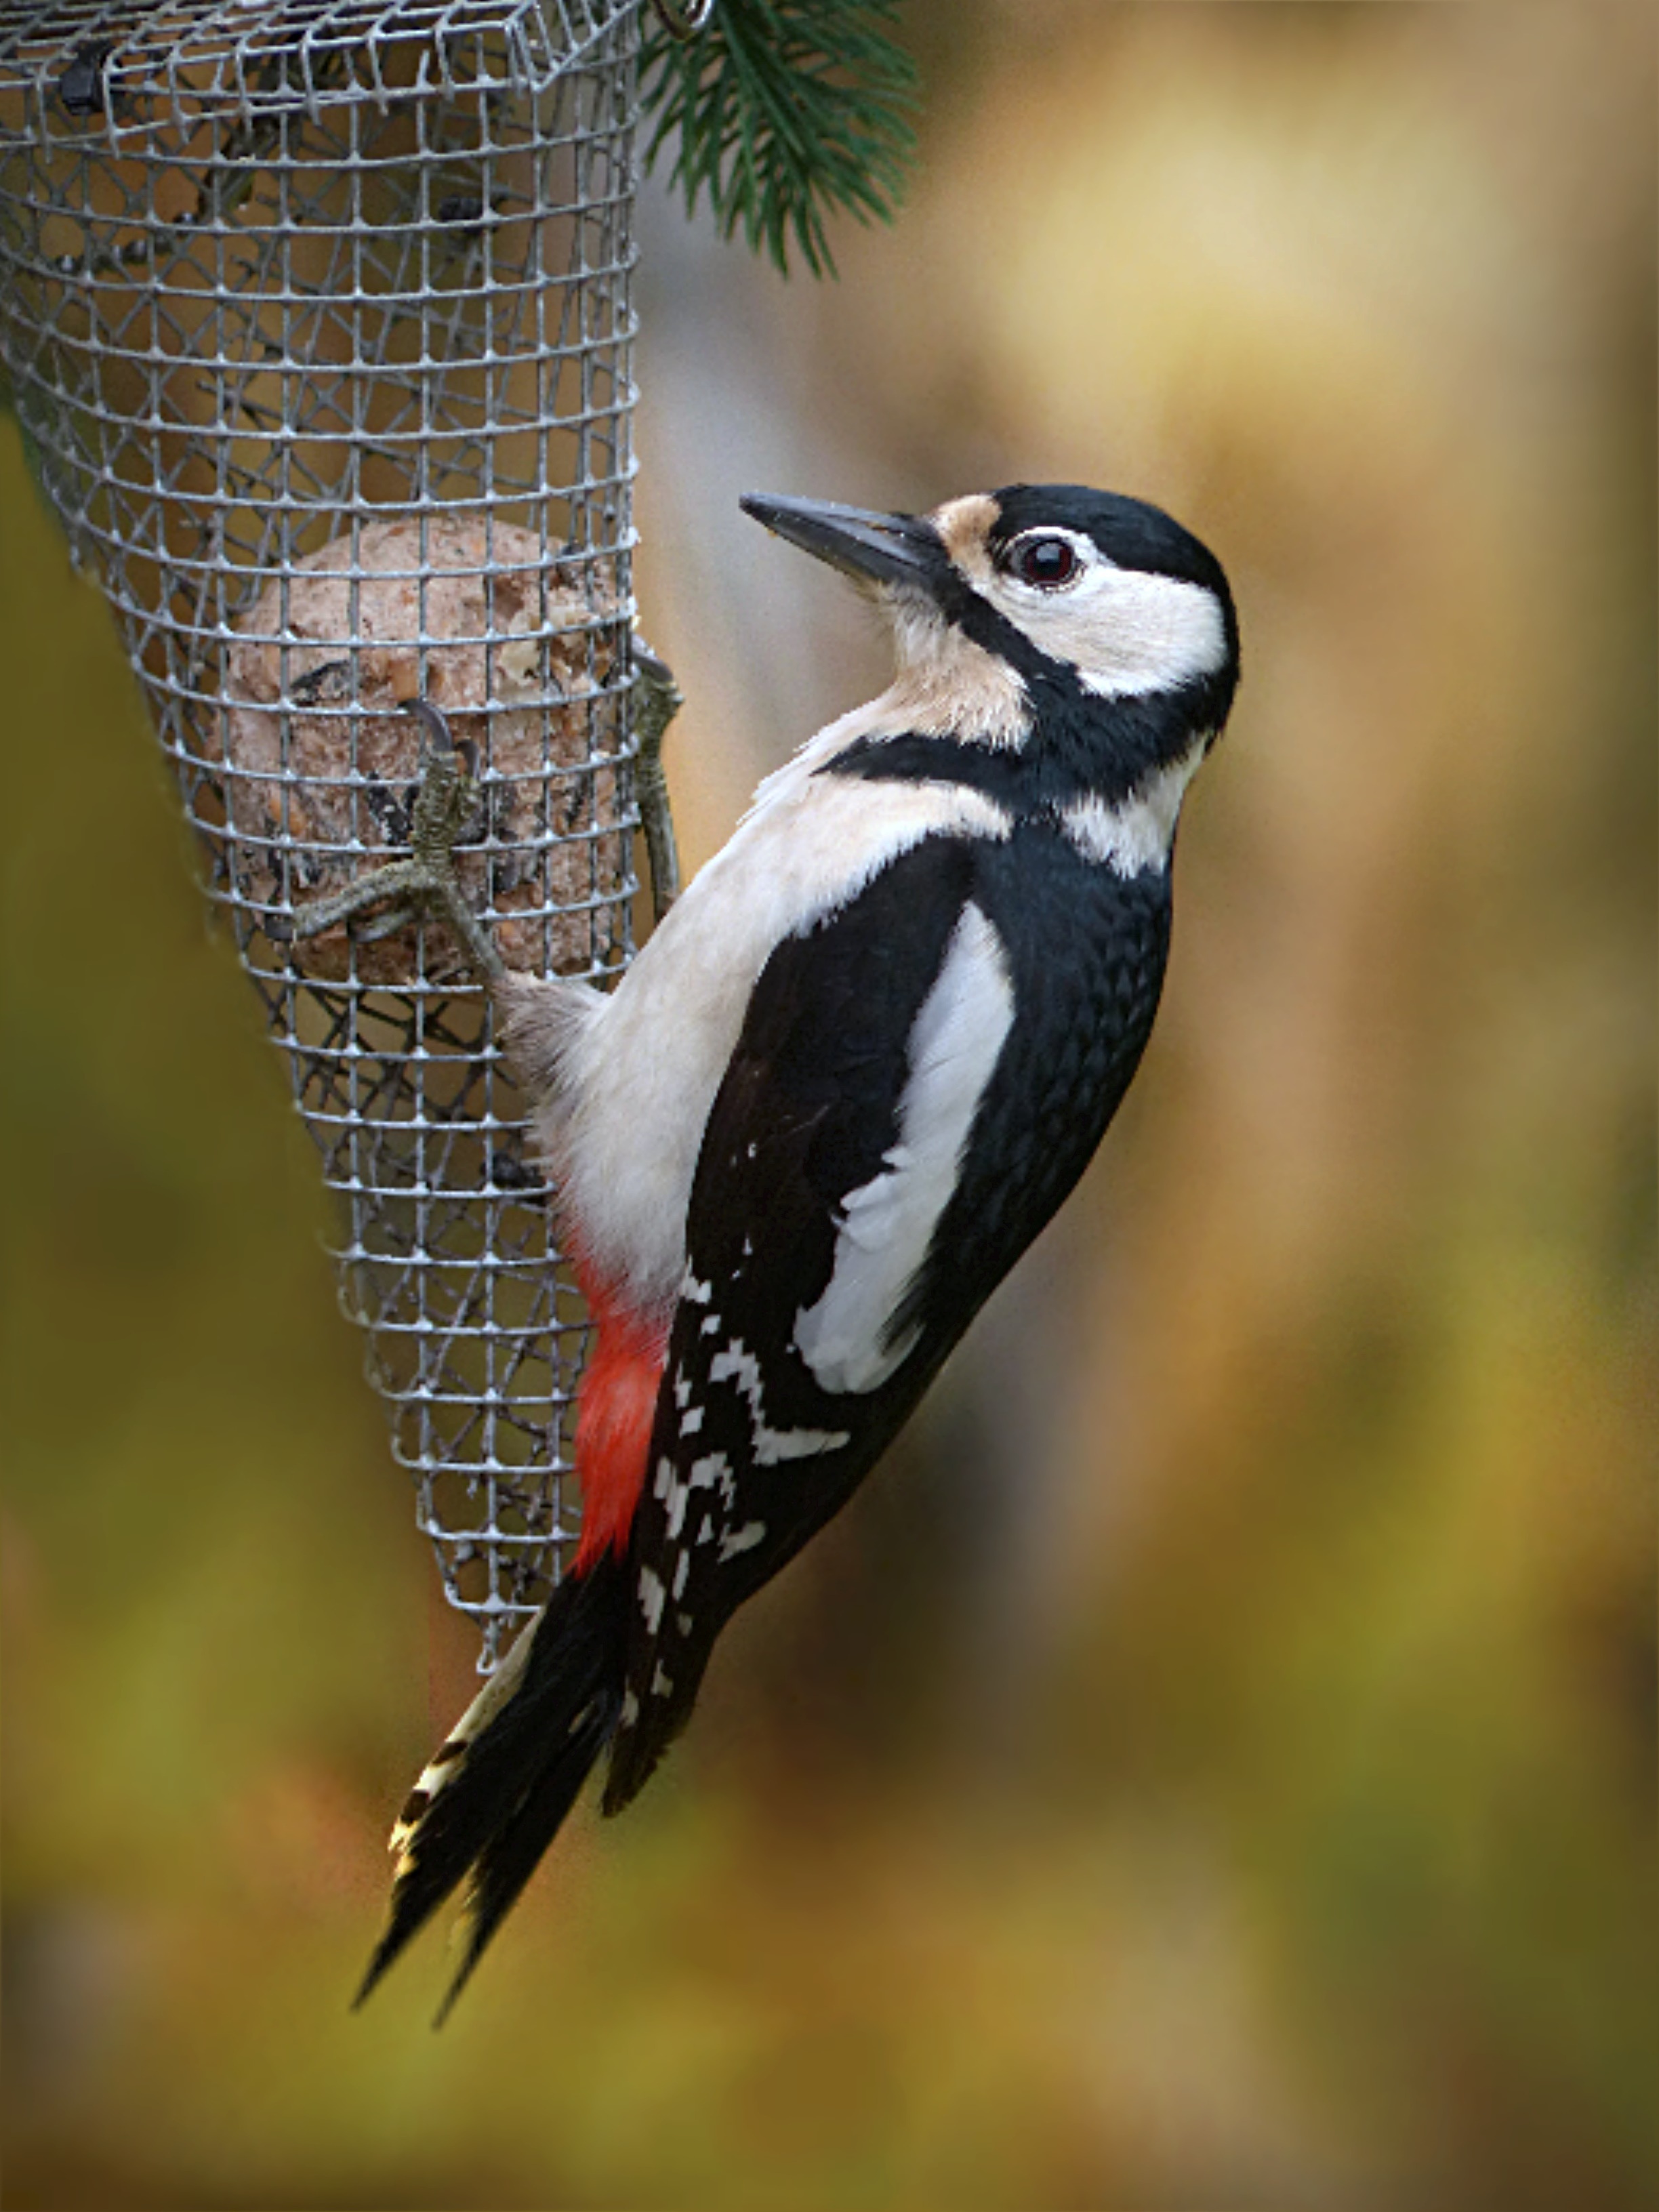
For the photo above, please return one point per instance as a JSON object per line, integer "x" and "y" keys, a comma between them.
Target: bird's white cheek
{"x": 1125, "y": 633}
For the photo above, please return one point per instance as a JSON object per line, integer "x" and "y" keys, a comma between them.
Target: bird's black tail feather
{"x": 494, "y": 1795}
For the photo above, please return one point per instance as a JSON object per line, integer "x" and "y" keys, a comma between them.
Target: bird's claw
{"x": 657, "y": 700}
{"x": 424, "y": 883}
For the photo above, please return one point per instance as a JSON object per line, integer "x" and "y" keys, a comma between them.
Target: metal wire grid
{"x": 317, "y": 319}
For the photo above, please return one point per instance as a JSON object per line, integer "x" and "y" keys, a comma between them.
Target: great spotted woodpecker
{"x": 854, "y": 1070}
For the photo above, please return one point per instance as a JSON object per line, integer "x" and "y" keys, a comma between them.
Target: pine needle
{"x": 784, "y": 110}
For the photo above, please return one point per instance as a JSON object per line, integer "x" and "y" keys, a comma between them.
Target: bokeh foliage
{"x": 1213, "y": 1765}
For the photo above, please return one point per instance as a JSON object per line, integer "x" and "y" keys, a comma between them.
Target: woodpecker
{"x": 858, "y": 1066}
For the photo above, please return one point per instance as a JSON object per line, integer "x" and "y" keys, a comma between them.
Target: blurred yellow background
{"x": 1211, "y": 1766}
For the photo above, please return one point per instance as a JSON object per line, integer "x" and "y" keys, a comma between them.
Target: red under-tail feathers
{"x": 615, "y": 1410}
{"x": 494, "y": 1795}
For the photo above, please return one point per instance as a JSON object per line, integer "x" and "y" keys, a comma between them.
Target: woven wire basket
{"x": 316, "y": 316}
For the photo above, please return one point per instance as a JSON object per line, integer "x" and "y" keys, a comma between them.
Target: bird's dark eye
{"x": 1047, "y": 562}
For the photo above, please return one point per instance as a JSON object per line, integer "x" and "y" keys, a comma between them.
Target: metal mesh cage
{"x": 317, "y": 319}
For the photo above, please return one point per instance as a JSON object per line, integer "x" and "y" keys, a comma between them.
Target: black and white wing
{"x": 917, "y": 1085}
{"x": 831, "y": 1153}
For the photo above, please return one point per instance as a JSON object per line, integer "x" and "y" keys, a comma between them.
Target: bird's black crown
{"x": 1130, "y": 531}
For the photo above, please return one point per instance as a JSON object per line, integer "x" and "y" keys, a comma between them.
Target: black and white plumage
{"x": 855, "y": 1070}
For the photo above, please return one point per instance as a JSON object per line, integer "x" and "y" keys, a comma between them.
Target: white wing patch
{"x": 887, "y": 1224}
{"x": 1135, "y": 834}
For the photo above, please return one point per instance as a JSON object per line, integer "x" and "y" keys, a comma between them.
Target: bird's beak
{"x": 880, "y": 549}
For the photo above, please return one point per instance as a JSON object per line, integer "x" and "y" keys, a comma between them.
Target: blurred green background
{"x": 1212, "y": 1767}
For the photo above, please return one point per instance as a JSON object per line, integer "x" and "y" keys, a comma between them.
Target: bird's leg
{"x": 424, "y": 883}
{"x": 657, "y": 700}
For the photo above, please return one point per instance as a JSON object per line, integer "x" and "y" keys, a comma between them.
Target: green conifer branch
{"x": 783, "y": 111}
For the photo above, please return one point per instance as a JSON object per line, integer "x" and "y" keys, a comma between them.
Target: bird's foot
{"x": 657, "y": 700}
{"x": 424, "y": 885}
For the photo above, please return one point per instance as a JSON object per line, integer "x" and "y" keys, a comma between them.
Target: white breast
{"x": 638, "y": 1078}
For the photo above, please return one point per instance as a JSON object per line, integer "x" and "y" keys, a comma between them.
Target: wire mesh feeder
{"x": 317, "y": 320}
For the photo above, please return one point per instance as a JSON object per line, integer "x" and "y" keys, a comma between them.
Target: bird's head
{"x": 1042, "y": 609}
